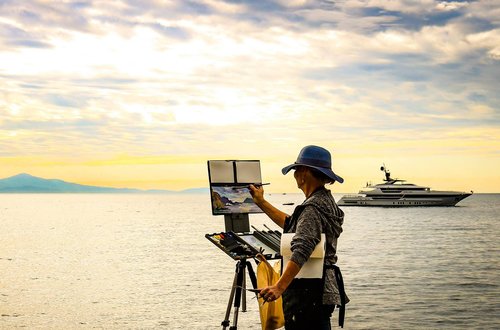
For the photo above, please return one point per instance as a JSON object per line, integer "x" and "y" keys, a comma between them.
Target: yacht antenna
{"x": 387, "y": 173}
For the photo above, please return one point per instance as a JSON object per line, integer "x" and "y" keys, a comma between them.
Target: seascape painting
{"x": 232, "y": 199}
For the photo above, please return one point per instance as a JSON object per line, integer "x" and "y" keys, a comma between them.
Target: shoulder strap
{"x": 291, "y": 221}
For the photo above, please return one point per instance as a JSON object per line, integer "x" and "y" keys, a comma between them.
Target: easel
{"x": 239, "y": 223}
{"x": 230, "y": 181}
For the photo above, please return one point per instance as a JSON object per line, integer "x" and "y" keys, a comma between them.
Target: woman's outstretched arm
{"x": 272, "y": 212}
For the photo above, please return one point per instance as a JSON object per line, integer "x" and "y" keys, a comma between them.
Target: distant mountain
{"x": 195, "y": 191}
{"x": 26, "y": 183}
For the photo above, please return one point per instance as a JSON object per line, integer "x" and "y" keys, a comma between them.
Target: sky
{"x": 141, "y": 94}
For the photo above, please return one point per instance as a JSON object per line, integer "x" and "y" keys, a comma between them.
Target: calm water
{"x": 142, "y": 262}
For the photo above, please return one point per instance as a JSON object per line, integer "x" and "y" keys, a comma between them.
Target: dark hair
{"x": 320, "y": 176}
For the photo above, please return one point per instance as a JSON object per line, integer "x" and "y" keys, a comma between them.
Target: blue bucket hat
{"x": 317, "y": 158}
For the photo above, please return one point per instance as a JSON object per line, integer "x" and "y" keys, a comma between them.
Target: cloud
{"x": 97, "y": 79}
{"x": 12, "y": 36}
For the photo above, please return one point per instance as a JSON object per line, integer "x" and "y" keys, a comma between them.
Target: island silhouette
{"x": 27, "y": 183}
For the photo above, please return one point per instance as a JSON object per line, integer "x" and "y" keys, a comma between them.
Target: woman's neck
{"x": 311, "y": 188}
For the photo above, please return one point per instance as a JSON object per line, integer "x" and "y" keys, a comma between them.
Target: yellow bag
{"x": 271, "y": 313}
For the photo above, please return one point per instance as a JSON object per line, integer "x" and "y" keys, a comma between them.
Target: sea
{"x": 142, "y": 261}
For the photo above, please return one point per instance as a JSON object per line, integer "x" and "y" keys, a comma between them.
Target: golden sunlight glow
{"x": 144, "y": 101}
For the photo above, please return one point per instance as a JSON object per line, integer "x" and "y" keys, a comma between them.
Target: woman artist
{"x": 308, "y": 303}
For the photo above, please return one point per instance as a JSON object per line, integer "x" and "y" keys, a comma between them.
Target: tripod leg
{"x": 251, "y": 273}
{"x": 237, "y": 300}
{"x": 225, "y": 323}
{"x": 244, "y": 293}
{"x": 253, "y": 279}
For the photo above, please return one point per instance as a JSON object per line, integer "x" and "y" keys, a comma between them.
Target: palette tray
{"x": 246, "y": 245}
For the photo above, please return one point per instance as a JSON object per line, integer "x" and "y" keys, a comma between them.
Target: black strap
{"x": 340, "y": 282}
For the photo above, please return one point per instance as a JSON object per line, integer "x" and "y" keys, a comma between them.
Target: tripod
{"x": 238, "y": 292}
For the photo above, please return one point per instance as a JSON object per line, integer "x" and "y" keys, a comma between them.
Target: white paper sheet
{"x": 248, "y": 172}
{"x": 221, "y": 171}
{"x": 313, "y": 268}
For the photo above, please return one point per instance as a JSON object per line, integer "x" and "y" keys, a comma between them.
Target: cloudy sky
{"x": 142, "y": 93}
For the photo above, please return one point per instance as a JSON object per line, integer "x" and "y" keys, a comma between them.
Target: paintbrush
{"x": 248, "y": 186}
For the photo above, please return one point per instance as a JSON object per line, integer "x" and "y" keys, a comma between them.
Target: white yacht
{"x": 395, "y": 192}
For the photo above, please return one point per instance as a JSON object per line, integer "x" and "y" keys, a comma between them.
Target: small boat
{"x": 396, "y": 192}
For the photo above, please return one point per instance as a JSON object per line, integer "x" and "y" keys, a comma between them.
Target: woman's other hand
{"x": 271, "y": 293}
